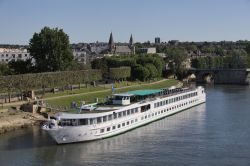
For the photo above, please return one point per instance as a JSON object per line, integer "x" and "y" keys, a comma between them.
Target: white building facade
{"x": 7, "y": 55}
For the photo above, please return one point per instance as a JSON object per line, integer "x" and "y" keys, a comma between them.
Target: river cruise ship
{"x": 120, "y": 113}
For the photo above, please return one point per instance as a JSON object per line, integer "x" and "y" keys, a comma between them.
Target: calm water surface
{"x": 215, "y": 133}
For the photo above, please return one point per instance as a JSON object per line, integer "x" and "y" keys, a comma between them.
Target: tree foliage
{"x": 177, "y": 62}
{"x": 248, "y": 54}
{"x": 51, "y": 50}
{"x": 137, "y": 63}
{"x": 25, "y": 82}
{"x": 21, "y": 67}
{"x": 4, "y": 69}
{"x": 120, "y": 73}
{"x": 235, "y": 59}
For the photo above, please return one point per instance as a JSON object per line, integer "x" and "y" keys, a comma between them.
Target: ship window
{"x": 110, "y": 117}
{"x": 124, "y": 113}
{"x": 128, "y": 112}
{"x": 136, "y": 110}
{"x": 152, "y": 114}
{"x": 123, "y": 124}
{"x": 155, "y": 105}
{"x": 132, "y": 121}
{"x": 108, "y": 129}
{"x": 102, "y": 131}
{"x": 114, "y": 115}
{"x": 156, "y": 113}
{"x": 142, "y": 118}
{"x": 113, "y": 128}
{"x": 120, "y": 114}
{"x": 118, "y": 126}
{"x": 145, "y": 108}
{"x": 127, "y": 122}
{"x": 161, "y": 111}
{"x": 132, "y": 111}
{"x": 166, "y": 101}
{"x": 91, "y": 121}
{"x": 135, "y": 120}
{"x": 99, "y": 120}
{"x": 104, "y": 118}
{"x": 83, "y": 121}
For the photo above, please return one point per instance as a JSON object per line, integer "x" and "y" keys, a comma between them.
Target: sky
{"x": 93, "y": 20}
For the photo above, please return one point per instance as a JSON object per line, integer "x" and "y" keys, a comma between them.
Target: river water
{"x": 215, "y": 133}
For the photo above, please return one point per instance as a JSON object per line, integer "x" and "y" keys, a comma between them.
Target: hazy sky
{"x": 93, "y": 20}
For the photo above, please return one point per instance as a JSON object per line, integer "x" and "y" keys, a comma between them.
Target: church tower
{"x": 111, "y": 42}
{"x": 131, "y": 44}
{"x": 131, "y": 41}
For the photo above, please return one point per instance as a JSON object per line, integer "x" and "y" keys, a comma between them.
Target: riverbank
{"x": 11, "y": 120}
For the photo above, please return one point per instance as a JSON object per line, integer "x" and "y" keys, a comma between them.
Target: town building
{"x": 119, "y": 49}
{"x": 150, "y": 50}
{"x": 157, "y": 40}
{"x": 7, "y": 54}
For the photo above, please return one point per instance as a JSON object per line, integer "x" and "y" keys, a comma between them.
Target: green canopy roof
{"x": 144, "y": 92}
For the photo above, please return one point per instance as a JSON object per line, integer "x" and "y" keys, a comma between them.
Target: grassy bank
{"x": 90, "y": 97}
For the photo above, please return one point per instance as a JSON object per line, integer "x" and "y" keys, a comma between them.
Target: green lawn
{"x": 90, "y": 97}
{"x": 91, "y": 89}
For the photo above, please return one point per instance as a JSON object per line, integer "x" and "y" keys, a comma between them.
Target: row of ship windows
{"x": 172, "y": 100}
{"x": 98, "y": 120}
{"x": 119, "y": 125}
{"x": 91, "y": 121}
{"x": 146, "y": 116}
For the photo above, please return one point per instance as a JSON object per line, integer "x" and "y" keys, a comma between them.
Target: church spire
{"x": 131, "y": 41}
{"x": 111, "y": 40}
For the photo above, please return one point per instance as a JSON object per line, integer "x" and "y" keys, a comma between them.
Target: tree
{"x": 4, "y": 69}
{"x": 153, "y": 73}
{"x": 140, "y": 72}
{"x": 176, "y": 59}
{"x": 21, "y": 67}
{"x": 120, "y": 73}
{"x": 51, "y": 50}
{"x": 248, "y": 54}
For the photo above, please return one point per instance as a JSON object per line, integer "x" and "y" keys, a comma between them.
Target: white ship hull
{"x": 71, "y": 134}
